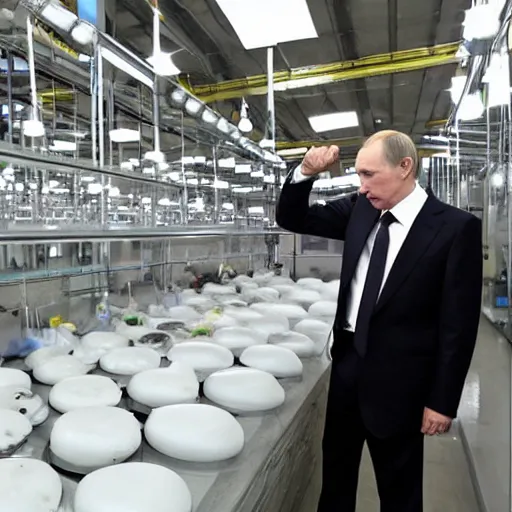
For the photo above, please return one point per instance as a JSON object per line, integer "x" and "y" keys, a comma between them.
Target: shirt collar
{"x": 406, "y": 211}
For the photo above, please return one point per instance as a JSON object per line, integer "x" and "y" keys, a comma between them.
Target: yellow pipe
{"x": 373, "y": 65}
{"x": 436, "y": 123}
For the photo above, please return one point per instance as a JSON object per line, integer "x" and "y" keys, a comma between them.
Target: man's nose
{"x": 363, "y": 189}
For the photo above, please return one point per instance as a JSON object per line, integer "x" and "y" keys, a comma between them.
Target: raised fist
{"x": 318, "y": 160}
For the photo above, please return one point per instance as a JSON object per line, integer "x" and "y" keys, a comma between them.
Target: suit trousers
{"x": 397, "y": 461}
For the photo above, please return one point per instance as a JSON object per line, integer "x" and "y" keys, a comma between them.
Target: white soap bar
{"x": 133, "y": 487}
{"x": 295, "y": 341}
{"x": 59, "y": 368}
{"x": 323, "y": 309}
{"x": 281, "y": 281}
{"x": 183, "y": 313}
{"x": 130, "y": 360}
{"x": 331, "y": 290}
{"x": 194, "y": 433}
{"x": 29, "y": 485}
{"x": 104, "y": 340}
{"x": 280, "y": 362}
{"x": 244, "y": 390}
{"x": 237, "y": 339}
{"x": 14, "y": 428}
{"x": 311, "y": 283}
{"x": 165, "y": 386}
{"x": 13, "y": 377}
{"x": 20, "y": 399}
{"x": 270, "y": 324}
{"x": 201, "y": 304}
{"x": 263, "y": 294}
{"x": 290, "y": 311}
{"x": 43, "y": 354}
{"x": 304, "y": 297}
{"x": 202, "y": 356}
{"x": 317, "y": 331}
{"x": 242, "y": 314}
{"x": 84, "y": 391}
{"x": 218, "y": 289}
{"x": 95, "y": 437}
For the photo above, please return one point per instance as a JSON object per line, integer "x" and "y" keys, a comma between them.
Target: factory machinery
{"x": 156, "y": 349}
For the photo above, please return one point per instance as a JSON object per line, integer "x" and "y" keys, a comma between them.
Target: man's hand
{"x": 435, "y": 423}
{"x": 318, "y": 160}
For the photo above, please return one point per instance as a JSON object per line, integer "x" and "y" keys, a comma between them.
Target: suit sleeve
{"x": 460, "y": 316}
{"x": 295, "y": 214}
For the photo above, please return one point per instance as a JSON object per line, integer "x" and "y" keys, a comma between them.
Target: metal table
{"x": 277, "y": 470}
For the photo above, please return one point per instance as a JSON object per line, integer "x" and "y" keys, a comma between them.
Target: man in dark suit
{"x": 407, "y": 319}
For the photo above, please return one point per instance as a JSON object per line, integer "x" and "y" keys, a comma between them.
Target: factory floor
{"x": 447, "y": 483}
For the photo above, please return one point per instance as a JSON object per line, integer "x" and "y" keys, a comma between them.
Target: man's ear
{"x": 406, "y": 166}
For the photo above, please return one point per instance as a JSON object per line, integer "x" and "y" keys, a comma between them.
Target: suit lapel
{"x": 367, "y": 217}
{"x": 421, "y": 235}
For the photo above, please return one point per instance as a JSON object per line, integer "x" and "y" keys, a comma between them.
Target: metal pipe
{"x": 101, "y": 135}
{"x": 216, "y": 191}
{"x": 10, "y": 105}
{"x": 32, "y": 69}
{"x": 156, "y": 100}
{"x": 271, "y": 120}
{"x": 457, "y": 179}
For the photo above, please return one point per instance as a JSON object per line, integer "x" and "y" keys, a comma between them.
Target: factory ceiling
{"x": 209, "y": 51}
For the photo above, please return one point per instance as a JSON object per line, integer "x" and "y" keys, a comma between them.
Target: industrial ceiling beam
{"x": 373, "y": 65}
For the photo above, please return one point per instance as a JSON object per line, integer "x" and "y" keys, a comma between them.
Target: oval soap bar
{"x": 133, "y": 487}
{"x": 194, "y": 433}
{"x": 130, "y": 360}
{"x": 279, "y": 361}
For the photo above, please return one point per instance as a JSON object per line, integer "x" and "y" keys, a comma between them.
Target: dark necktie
{"x": 373, "y": 283}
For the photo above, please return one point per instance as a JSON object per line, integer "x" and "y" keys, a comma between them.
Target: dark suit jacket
{"x": 424, "y": 328}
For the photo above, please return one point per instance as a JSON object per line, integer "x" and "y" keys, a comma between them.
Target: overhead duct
{"x": 373, "y": 65}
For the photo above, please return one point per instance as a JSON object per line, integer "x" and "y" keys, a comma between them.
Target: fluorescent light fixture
{"x": 84, "y": 58}
{"x": 19, "y": 187}
{"x": 87, "y": 179}
{"x": 135, "y": 162}
{"x": 497, "y": 180}
{"x": 114, "y": 192}
{"x": 200, "y": 160}
{"x": 179, "y": 96}
{"x": 193, "y": 106}
{"x": 163, "y": 65}
{"x": 165, "y": 201}
{"x": 33, "y": 128}
{"x": 174, "y": 176}
{"x": 457, "y": 88}
{"x": 163, "y": 166}
{"x": 255, "y": 210}
{"x": 155, "y": 156}
{"x": 8, "y": 171}
{"x": 228, "y": 206}
{"x": 83, "y": 33}
{"x": 471, "y": 107}
{"x": 266, "y": 23}
{"x": 146, "y": 200}
{"x": 224, "y": 126}
{"x": 220, "y": 184}
{"x": 257, "y": 174}
{"x": 126, "y": 166}
{"x": 292, "y": 152}
{"x": 209, "y": 116}
{"x": 245, "y": 125}
{"x": 193, "y": 181}
{"x": 188, "y": 160}
{"x": 57, "y": 15}
{"x": 125, "y": 66}
{"x": 302, "y": 82}
{"x": 227, "y": 163}
{"x": 269, "y": 179}
{"x": 336, "y": 121}
{"x": 482, "y": 21}
{"x": 94, "y": 188}
{"x": 243, "y": 169}
{"x": 63, "y": 145}
{"x": 124, "y": 135}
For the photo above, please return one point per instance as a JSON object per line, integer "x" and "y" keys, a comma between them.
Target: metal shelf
{"x": 91, "y": 234}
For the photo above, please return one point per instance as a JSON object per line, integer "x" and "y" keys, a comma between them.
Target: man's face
{"x": 382, "y": 183}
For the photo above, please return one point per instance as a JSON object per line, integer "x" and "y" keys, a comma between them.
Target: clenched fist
{"x": 318, "y": 160}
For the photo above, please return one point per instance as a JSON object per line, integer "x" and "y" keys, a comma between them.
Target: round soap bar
{"x": 104, "y": 340}
{"x": 242, "y": 314}
{"x": 94, "y": 437}
{"x": 22, "y": 400}
{"x": 84, "y": 391}
{"x": 130, "y": 360}
{"x": 323, "y": 309}
{"x": 237, "y": 339}
{"x": 317, "y": 331}
{"x": 194, "y": 433}
{"x": 29, "y": 485}
{"x": 183, "y": 313}
{"x": 59, "y": 368}
{"x": 331, "y": 290}
{"x": 269, "y": 324}
{"x": 280, "y": 362}
{"x": 202, "y": 356}
{"x": 295, "y": 341}
{"x": 133, "y": 487}
{"x": 303, "y": 296}
{"x": 14, "y": 429}
{"x": 293, "y": 312}
{"x": 44, "y": 354}
{"x": 13, "y": 377}
{"x": 244, "y": 390}
{"x": 311, "y": 283}
{"x": 165, "y": 386}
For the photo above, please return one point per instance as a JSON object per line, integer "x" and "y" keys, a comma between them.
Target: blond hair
{"x": 397, "y": 146}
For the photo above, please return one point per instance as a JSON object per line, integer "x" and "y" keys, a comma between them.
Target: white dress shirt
{"x": 405, "y": 212}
